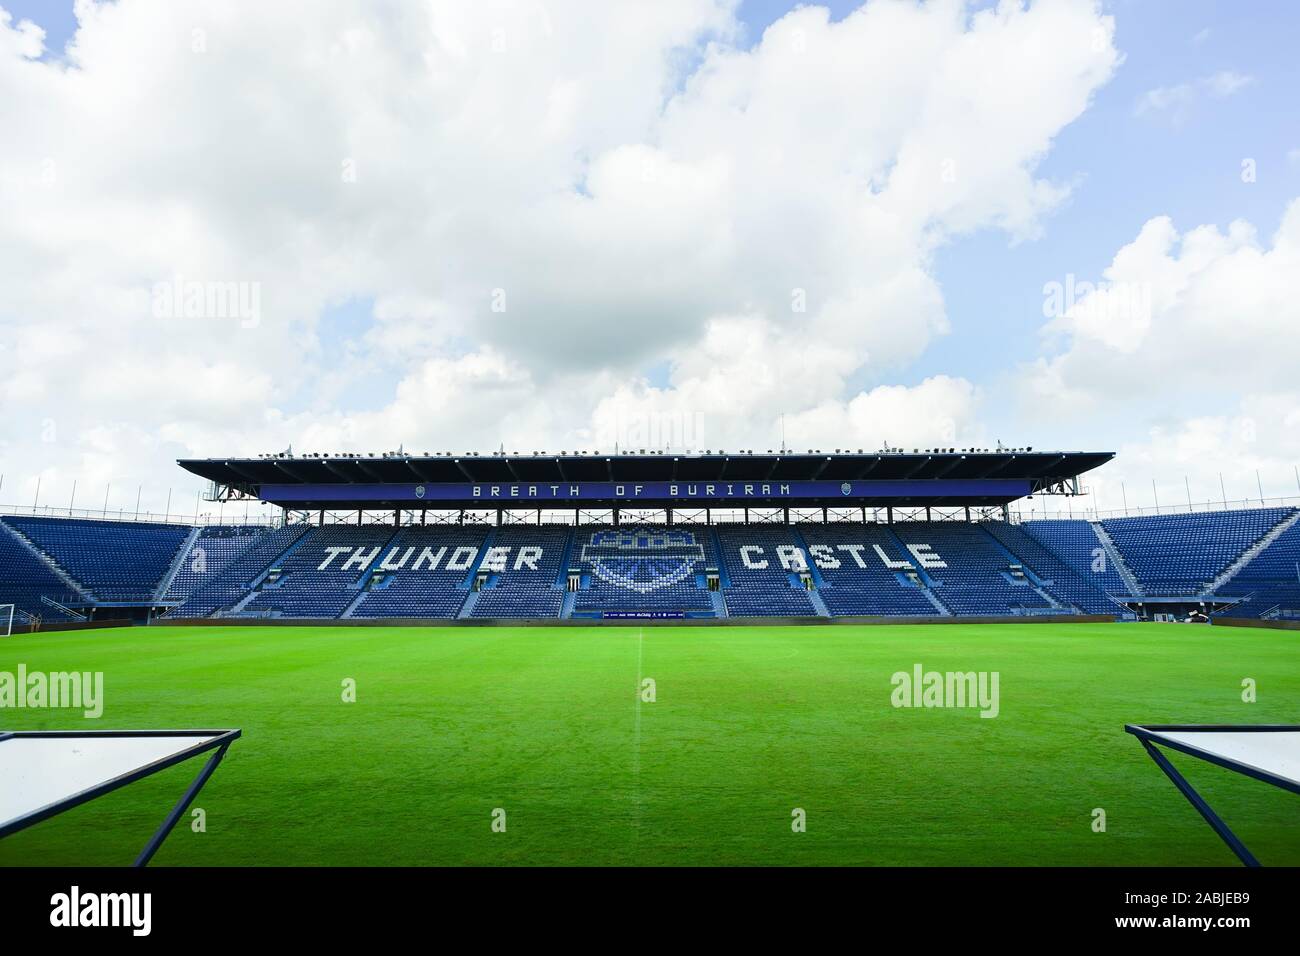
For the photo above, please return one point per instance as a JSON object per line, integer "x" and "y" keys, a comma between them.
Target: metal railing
{"x": 223, "y": 517}
{"x": 1021, "y": 512}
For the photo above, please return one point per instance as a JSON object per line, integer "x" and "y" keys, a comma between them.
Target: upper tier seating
{"x": 1182, "y": 554}
{"x": 114, "y": 560}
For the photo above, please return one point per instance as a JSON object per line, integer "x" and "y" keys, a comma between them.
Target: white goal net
{"x": 6, "y": 620}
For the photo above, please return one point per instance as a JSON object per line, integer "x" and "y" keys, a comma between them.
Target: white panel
{"x": 38, "y": 771}
{"x": 1273, "y": 751}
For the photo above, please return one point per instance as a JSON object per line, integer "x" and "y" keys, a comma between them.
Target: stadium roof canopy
{"x": 940, "y": 477}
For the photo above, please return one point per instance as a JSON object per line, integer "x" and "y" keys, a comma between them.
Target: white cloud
{"x": 1204, "y": 374}
{"x": 544, "y": 201}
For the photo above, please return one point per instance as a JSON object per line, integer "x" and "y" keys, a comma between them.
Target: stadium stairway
{"x": 1232, "y": 570}
{"x": 1181, "y": 554}
{"x": 972, "y": 571}
{"x": 720, "y": 604}
{"x": 1060, "y": 584}
{"x": 26, "y": 580}
{"x": 862, "y": 571}
{"x": 235, "y": 609}
{"x": 177, "y": 562}
{"x": 234, "y": 563}
{"x": 471, "y": 602}
{"x": 1117, "y": 560}
{"x": 819, "y": 605}
{"x": 927, "y": 582}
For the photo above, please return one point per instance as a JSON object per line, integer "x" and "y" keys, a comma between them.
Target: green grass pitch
{"x": 748, "y": 724}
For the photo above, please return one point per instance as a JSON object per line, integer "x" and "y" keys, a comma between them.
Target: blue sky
{"x": 1128, "y": 168}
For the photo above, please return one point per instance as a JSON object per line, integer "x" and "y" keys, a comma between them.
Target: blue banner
{"x": 531, "y": 494}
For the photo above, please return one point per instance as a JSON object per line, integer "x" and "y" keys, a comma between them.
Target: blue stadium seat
{"x": 524, "y": 563}
{"x": 429, "y": 568}
{"x": 1269, "y": 584}
{"x": 114, "y": 560}
{"x": 854, "y": 563}
{"x": 1181, "y": 554}
{"x": 25, "y": 579}
{"x": 758, "y": 582}
{"x": 217, "y": 591}
{"x": 643, "y": 569}
{"x": 973, "y": 575}
{"x": 905, "y": 569}
{"x": 1057, "y": 577}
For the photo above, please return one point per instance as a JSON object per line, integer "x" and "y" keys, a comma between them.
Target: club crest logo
{"x": 642, "y": 560}
{"x": 846, "y": 489}
{"x": 419, "y": 491}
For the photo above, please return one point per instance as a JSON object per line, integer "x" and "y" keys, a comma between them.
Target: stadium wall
{"x": 1220, "y": 621}
{"x": 624, "y": 622}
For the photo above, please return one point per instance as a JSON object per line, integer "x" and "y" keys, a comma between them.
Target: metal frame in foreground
{"x": 1153, "y": 734}
{"x": 217, "y": 741}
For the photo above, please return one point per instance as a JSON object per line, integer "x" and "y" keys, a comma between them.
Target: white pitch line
{"x": 636, "y": 740}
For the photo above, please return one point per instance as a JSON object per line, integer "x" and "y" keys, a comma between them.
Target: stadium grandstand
{"x": 924, "y": 535}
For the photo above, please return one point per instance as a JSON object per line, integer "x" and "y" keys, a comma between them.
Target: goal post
{"x": 6, "y": 620}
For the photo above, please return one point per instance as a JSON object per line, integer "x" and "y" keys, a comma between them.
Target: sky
{"x": 228, "y": 228}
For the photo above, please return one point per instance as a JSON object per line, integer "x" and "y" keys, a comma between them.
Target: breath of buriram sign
{"x": 493, "y": 494}
{"x": 356, "y": 558}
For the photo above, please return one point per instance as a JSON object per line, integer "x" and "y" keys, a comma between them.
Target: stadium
{"x": 596, "y": 444}
{"x": 618, "y": 654}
